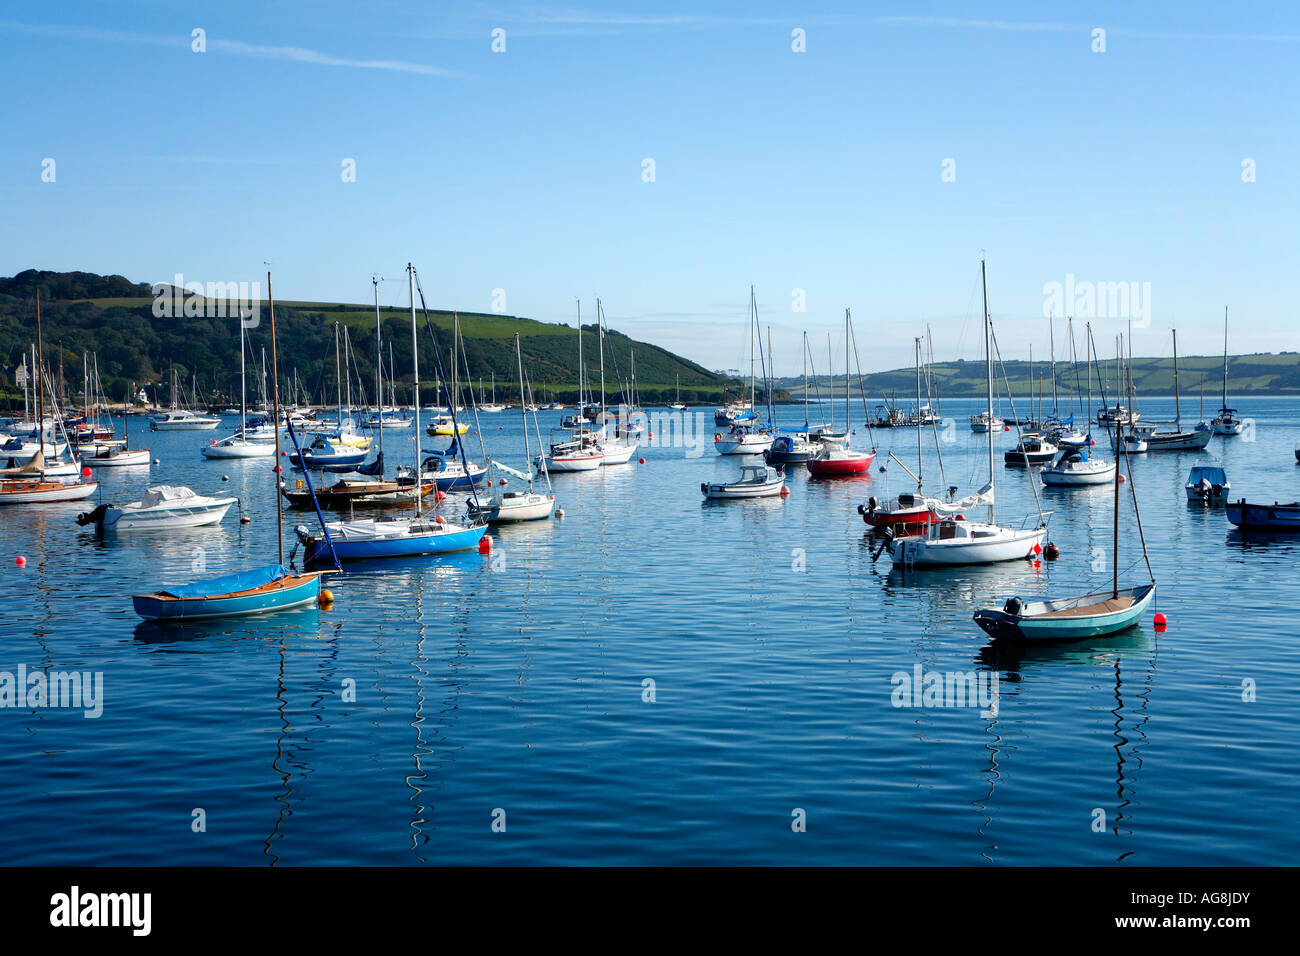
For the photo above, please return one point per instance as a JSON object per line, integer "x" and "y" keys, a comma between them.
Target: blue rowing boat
{"x": 257, "y": 591}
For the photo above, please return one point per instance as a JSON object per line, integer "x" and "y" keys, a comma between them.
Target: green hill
{"x": 1266, "y": 373}
{"x": 113, "y": 317}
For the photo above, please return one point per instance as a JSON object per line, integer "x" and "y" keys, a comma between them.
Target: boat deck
{"x": 1109, "y": 606}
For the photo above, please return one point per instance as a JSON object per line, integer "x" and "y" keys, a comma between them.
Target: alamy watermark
{"x": 215, "y": 300}
{"x": 1099, "y": 300}
{"x": 65, "y": 690}
{"x": 921, "y": 688}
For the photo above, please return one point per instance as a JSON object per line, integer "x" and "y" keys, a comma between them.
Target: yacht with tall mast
{"x": 958, "y": 540}
{"x": 1227, "y": 421}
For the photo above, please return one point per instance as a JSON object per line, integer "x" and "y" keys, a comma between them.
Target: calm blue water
{"x": 516, "y": 681}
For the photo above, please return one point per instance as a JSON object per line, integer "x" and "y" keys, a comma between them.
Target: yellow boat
{"x": 443, "y": 425}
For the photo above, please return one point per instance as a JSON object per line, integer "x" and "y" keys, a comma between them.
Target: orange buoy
{"x": 326, "y": 597}
{"x": 439, "y": 519}
{"x": 485, "y": 545}
{"x": 20, "y": 561}
{"x": 785, "y": 492}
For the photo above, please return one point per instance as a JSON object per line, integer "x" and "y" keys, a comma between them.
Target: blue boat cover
{"x": 228, "y": 583}
{"x": 1211, "y": 473}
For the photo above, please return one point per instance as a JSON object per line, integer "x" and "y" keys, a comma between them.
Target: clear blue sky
{"x": 818, "y": 170}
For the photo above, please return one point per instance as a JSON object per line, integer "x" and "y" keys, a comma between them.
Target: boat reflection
{"x": 305, "y": 620}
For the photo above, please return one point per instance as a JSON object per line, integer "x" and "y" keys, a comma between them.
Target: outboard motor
{"x": 885, "y": 537}
{"x": 95, "y": 517}
{"x": 1013, "y": 606}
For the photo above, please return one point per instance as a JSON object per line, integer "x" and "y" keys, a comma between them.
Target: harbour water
{"x": 656, "y": 679}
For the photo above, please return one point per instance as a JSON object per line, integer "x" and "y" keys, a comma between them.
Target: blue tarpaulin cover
{"x": 228, "y": 583}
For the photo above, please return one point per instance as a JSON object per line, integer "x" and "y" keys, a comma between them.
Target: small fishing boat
{"x": 1032, "y": 449}
{"x": 1117, "y": 413}
{"x": 163, "y": 508}
{"x": 1274, "y": 517}
{"x": 579, "y": 453}
{"x": 984, "y": 422}
{"x": 756, "y": 481}
{"x": 257, "y": 591}
{"x": 506, "y": 507}
{"x": 1135, "y": 443}
{"x": 1208, "y": 483}
{"x": 1075, "y": 467}
{"x": 29, "y": 491}
{"x": 1066, "y": 619}
{"x": 1097, "y": 614}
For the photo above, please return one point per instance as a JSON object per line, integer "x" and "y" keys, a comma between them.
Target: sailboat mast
{"x": 1051, "y": 331}
{"x": 848, "y": 400}
{"x": 275, "y": 411}
{"x": 415, "y": 365}
{"x": 581, "y": 405}
{"x": 1178, "y": 405}
{"x": 805, "y": 378}
{"x": 243, "y": 390}
{"x": 338, "y": 377}
{"x": 40, "y": 380}
{"x": 1225, "y": 356}
{"x": 753, "y": 326}
{"x": 919, "y": 427}
{"x": 600, "y": 340}
{"x": 379, "y": 378}
{"x": 523, "y": 409}
{"x": 988, "y": 361}
{"x": 1087, "y": 358}
{"x": 1114, "y": 547}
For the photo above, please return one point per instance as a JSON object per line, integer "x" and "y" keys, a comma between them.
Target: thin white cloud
{"x": 219, "y": 45}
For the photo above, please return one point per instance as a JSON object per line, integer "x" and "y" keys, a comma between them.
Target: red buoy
{"x": 440, "y": 495}
{"x": 485, "y": 545}
{"x": 785, "y": 492}
{"x": 1161, "y": 621}
{"x": 1122, "y": 479}
{"x": 20, "y": 561}
{"x": 641, "y": 461}
{"x": 1006, "y": 428}
{"x": 86, "y": 472}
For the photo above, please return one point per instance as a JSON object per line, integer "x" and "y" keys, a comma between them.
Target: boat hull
{"x": 247, "y": 449}
{"x": 577, "y": 463}
{"x": 121, "y": 460}
{"x": 840, "y": 467}
{"x": 508, "y": 511}
{"x": 39, "y": 492}
{"x": 294, "y": 591}
{"x": 166, "y": 519}
{"x": 1274, "y": 517}
{"x": 922, "y": 550}
{"x": 403, "y": 546}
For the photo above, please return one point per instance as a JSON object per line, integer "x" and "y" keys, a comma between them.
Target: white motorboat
{"x": 21, "y": 451}
{"x": 1208, "y": 483}
{"x": 163, "y": 508}
{"x": 1075, "y": 466}
{"x": 984, "y": 422}
{"x": 508, "y": 506}
{"x": 236, "y": 446}
{"x": 756, "y": 481}
{"x": 954, "y": 541}
{"x": 113, "y": 456}
{"x": 576, "y": 455}
{"x": 182, "y": 420}
{"x": 616, "y": 451}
